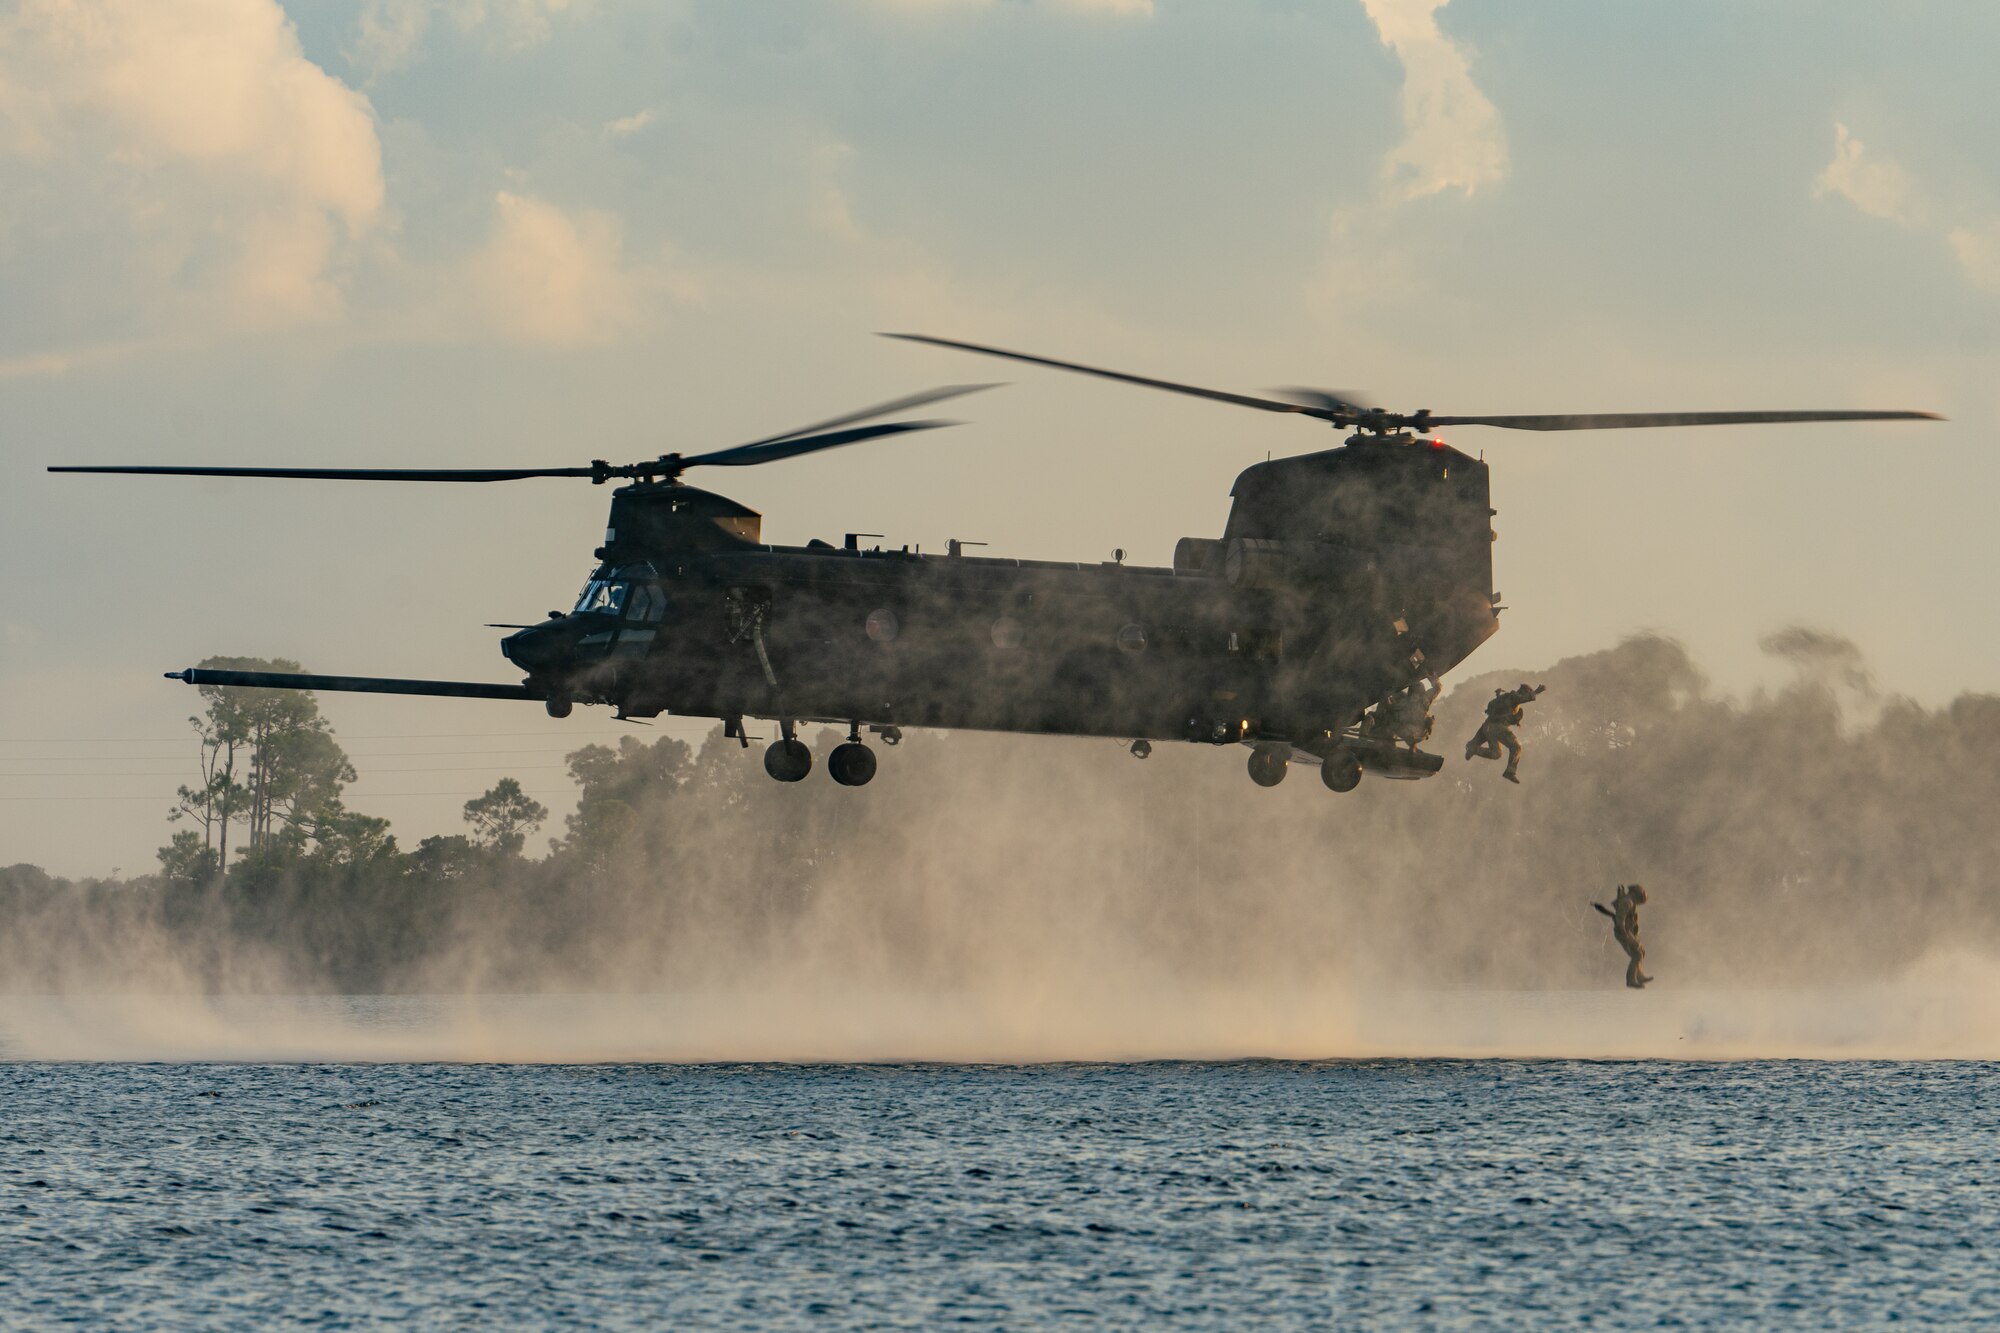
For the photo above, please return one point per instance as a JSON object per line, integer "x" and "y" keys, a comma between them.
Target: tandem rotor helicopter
{"x": 1313, "y": 630}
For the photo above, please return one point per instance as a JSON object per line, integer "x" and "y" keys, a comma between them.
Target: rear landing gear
{"x": 558, "y": 707}
{"x": 851, "y": 764}
{"x": 788, "y": 760}
{"x": 1268, "y": 765}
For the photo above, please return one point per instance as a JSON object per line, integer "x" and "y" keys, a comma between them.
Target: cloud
{"x": 1978, "y": 251}
{"x": 391, "y": 33}
{"x": 1881, "y": 188}
{"x": 1453, "y": 139}
{"x": 516, "y": 24}
{"x": 626, "y": 126}
{"x": 1110, "y": 8}
{"x": 1118, "y": 8}
{"x": 1878, "y": 187}
{"x": 828, "y": 210}
{"x": 185, "y": 161}
{"x": 548, "y": 276}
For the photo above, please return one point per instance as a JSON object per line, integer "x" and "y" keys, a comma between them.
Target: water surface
{"x": 1137, "y": 1195}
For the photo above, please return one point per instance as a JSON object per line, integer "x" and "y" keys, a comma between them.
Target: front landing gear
{"x": 851, "y": 764}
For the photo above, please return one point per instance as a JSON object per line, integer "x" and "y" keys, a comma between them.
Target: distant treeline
{"x": 1818, "y": 832}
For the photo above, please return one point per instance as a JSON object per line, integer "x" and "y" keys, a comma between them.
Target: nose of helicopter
{"x": 538, "y": 648}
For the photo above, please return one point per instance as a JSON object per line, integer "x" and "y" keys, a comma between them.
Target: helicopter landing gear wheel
{"x": 851, "y": 764}
{"x": 1142, "y": 748}
{"x": 1268, "y": 765}
{"x": 1341, "y": 771}
{"x": 788, "y": 760}
{"x": 559, "y": 707}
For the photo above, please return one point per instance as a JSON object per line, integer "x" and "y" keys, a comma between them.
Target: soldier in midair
{"x": 1624, "y": 914}
{"x": 1503, "y": 714}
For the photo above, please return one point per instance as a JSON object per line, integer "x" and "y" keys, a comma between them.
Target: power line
{"x": 369, "y": 736}
{"x": 359, "y": 754}
{"x": 363, "y": 773}
{"x": 360, "y": 796}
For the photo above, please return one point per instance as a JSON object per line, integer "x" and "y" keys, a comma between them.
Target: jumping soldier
{"x": 1624, "y": 914}
{"x": 1503, "y": 714}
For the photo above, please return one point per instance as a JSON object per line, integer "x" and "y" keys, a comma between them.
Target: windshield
{"x": 607, "y": 595}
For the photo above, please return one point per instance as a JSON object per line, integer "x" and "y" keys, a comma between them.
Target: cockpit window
{"x": 606, "y": 595}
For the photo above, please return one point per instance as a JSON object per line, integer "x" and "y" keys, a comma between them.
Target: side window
{"x": 603, "y": 596}
{"x": 640, "y": 605}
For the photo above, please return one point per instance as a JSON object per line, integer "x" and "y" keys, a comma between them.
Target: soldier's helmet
{"x": 1637, "y": 894}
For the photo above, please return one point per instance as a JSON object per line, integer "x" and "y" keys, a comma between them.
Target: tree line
{"x": 1814, "y": 831}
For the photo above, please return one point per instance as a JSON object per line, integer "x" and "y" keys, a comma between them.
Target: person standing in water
{"x": 1624, "y": 914}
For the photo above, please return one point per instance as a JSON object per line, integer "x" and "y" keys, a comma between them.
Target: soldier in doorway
{"x": 1410, "y": 713}
{"x": 1503, "y": 714}
{"x": 1403, "y": 718}
{"x": 1624, "y": 914}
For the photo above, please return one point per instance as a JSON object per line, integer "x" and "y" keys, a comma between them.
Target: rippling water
{"x": 1140, "y": 1195}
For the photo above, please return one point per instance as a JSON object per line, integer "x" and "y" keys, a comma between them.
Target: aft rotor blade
{"x": 349, "y": 473}
{"x": 1633, "y": 420}
{"x": 286, "y": 680}
{"x": 1195, "y": 391}
{"x": 770, "y": 451}
{"x": 879, "y": 410}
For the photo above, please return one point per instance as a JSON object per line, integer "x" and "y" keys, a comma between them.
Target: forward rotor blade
{"x": 1633, "y": 420}
{"x": 879, "y": 410}
{"x": 1195, "y": 391}
{"x": 348, "y": 473}
{"x": 770, "y": 451}
{"x": 1346, "y": 400}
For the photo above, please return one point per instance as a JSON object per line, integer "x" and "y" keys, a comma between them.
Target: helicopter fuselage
{"x": 1342, "y": 578}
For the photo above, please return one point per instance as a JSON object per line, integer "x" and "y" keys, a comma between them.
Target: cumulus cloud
{"x": 1111, "y": 8}
{"x": 1453, "y": 139}
{"x": 1978, "y": 251}
{"x": 391, "y": 33}
{"x": 556, "y": 277}
{"x": 1881, "y": 188}
{"x": 625, "y": 126}
{"x": 185, "y": 161}
{"x": 1875, "y": 185}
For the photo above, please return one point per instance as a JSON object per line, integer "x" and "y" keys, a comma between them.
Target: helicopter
{"x": 1313, "y": 630}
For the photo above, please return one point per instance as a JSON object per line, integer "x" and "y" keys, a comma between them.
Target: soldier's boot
{"x": 1510, "y": 776}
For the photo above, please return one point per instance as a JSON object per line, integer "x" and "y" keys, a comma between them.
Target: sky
{"x": 537, "y": 232}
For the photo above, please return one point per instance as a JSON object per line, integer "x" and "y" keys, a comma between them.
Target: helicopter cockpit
{"x": 603, "y": 595}
{"x": 634, "y": 599}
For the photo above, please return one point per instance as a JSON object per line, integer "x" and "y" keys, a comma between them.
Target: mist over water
{"x": 1818, "y": 859}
